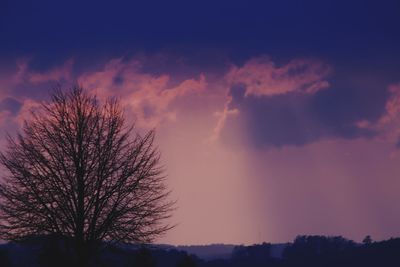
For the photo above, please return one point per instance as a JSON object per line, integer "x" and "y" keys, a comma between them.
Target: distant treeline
{"x": 307, "y": 251}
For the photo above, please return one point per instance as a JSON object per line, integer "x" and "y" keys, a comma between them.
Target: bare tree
{"x": 78, "y": 171}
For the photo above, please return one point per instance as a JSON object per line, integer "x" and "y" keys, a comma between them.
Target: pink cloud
{"x": 393, "y": 104}
{"x": 151, "y": 99}
{"x": 25, "y": 113}
{"x": 222, "y": 117}
{"x": 24, "y": 73}
{"x": 55, "y": 74}
{"x": 391, "y": 116}
{"x": 148, "y": 96}
{"x": 261, "y": 76}
{"x": 388, "y": 123}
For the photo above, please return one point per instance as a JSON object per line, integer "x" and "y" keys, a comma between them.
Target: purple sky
{"x": 273, "y": 119}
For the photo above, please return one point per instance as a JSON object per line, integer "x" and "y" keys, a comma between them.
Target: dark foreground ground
{"x": 307, "y": 251}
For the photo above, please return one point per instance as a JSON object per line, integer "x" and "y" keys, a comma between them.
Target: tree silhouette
{"x": 4, "y": 258}
{"x": 187, "y": 261}
{"x": 144, "y": 258}
{"x": 53, "y": 253}
{"x": 77, "y": 170}
{"x": 367, "y": 240}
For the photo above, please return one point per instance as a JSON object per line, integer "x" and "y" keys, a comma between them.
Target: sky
{"x": 274, "y": 118}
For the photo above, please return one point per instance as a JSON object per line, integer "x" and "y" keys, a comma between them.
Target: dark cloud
{"x": 338, "y": 109}
{"x": 296, "y": 118}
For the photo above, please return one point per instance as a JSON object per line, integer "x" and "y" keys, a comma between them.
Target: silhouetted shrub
{"x": 54, "y": 252}
{"x": 187, "y": 261}
{"x": 144, "y": 258}
{"x": 255, "y": 255}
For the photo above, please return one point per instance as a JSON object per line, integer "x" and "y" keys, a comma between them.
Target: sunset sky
{"x": 274, "y": 118}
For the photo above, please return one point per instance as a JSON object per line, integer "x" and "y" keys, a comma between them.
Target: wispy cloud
{"x": 261, "y": 76}
{"x": 26, "y": 74}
